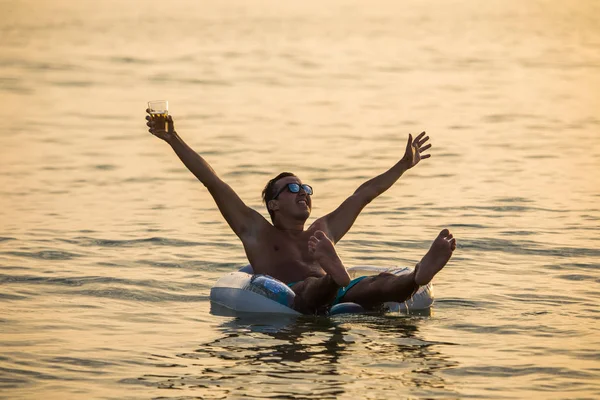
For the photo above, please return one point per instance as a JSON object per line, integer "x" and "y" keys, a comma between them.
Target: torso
{"x": 283, "y": 255}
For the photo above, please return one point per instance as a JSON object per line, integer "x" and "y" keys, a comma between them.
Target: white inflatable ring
{"x": 242, "y": 291}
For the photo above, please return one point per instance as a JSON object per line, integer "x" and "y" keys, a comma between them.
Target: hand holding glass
{"x": 159, "y": 109}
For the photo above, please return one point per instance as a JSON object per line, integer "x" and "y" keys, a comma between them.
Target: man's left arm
{"x": 338, "y": 222}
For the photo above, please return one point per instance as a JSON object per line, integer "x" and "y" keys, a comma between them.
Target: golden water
{"x": 109, "y": 247}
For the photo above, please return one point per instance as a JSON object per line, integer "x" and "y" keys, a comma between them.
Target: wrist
{"x": 172, "y": 138}
{"x": 404, "y": 164}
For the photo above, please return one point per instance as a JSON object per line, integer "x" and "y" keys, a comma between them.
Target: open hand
{"x": 159, "y": 129}
{"x": 414, "y": 150}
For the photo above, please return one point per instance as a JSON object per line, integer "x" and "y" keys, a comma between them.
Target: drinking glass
{"x": 159, "y": 109}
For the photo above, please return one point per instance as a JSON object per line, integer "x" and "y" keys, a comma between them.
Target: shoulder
{"x": 255, "y": 227}
{"x": 321, "y": 224}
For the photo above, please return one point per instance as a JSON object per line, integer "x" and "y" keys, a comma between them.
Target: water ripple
{"x": 142, "y": 295}
{"x": 44, "y": 255}
{"x": 498, "y": 371}
{"x": 522, "y": 247}
{"x": 156, "y": 241}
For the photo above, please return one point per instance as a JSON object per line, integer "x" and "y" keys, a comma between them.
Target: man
{"x": 306, "y": 259}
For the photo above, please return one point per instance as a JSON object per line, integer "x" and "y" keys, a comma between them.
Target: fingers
{"x": 150, "y": 123}
{"x": 420, "y": 141}
{"x": 418, "y": 138}
{"x": 170, "y": 124}
{"x": 152, "y": 128}
{"x": 409, "y": 144}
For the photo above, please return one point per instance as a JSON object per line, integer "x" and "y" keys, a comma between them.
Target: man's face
{"x": 298, "y": 205}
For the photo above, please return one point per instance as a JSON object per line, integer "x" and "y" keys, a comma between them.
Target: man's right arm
{"x": 242, "y": 219}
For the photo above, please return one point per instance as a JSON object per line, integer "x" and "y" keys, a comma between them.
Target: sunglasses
{"x": 294, "y": 188}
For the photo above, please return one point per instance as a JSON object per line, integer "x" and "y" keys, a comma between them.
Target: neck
{"x": 289, "y": 226}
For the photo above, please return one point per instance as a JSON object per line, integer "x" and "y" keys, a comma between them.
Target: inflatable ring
{"x": 246, "y": 292}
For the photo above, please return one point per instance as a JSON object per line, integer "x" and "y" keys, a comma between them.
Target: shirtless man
{"x": 306, "y": 259}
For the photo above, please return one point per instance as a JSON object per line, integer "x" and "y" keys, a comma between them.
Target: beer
{"x": 160, "y": 119}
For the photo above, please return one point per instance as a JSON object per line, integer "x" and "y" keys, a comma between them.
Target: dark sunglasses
{"x": 294, "y": 188}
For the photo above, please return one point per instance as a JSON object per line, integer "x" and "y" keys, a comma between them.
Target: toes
{"x": 453, "y": 244}
{"x": 320, "y": 235}
{"x": 444, "y": 233}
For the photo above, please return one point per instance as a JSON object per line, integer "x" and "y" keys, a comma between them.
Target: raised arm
{"x": 241, "y": 218}
{"x": 341, "y": 220}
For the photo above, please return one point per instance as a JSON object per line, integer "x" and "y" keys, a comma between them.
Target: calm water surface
{"x": 109, "y": 246}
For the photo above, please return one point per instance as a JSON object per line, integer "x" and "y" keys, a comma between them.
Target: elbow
{"x": 365, "y": 196}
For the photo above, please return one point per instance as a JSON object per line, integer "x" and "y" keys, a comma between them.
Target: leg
{"x": 314, "y": 294}
{"x": 323, "y": 251}
{"x": 436, "y": 258}
{"x": 374, "y": 290}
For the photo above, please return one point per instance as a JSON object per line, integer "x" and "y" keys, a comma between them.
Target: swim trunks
{"x": 341, "y": 291}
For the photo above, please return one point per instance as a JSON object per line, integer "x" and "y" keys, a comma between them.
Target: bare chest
{"x": 283, "y": 257}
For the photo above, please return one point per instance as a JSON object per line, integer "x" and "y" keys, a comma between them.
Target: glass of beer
{"x": 159, "y": 109}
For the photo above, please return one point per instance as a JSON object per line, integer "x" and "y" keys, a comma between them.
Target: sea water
{"x": 109, "y": 246}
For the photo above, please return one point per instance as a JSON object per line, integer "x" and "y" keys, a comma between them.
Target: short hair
{"x": 268, "y": 192}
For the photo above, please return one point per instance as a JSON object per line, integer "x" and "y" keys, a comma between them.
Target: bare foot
{"x": 324, "y": 252}
{"x": 438, "y": 255}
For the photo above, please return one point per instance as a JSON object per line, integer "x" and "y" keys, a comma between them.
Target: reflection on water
{"x": 310, "y": 357}
{"x": 109, "y": 246}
